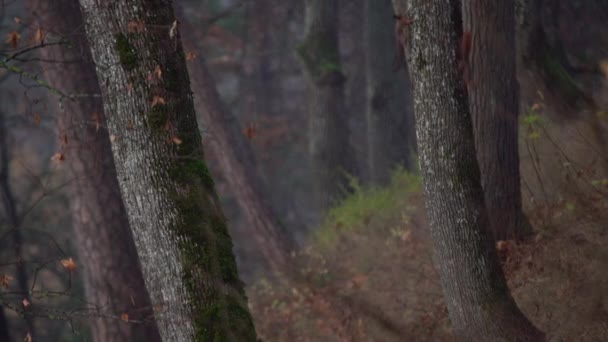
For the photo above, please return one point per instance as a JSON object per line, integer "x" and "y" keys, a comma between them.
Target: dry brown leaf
{"x": 158, "y": 73}
{"x": 13, "y": 38}
{"x": 124, "y": 317}
{"x": 63, "y": 139}
{"x": 97, "y": 121}
{"x": 135, "y": 26}
{"x": 190, "y": 56}
{"x": 58, "y": 157}
{"x": 39, "y": 36}
{"x": 176, "y": 140}
{"x": 158, "y": 100}
{"x": 37, "y": 119}
{"x": 5, "y": 279}
{"x": 69, "y": 264}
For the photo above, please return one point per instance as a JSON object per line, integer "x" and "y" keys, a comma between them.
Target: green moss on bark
{"x": 319, "y": 54}
{"x": 126, "y": 54}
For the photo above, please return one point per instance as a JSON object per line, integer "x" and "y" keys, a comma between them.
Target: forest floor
{"x": 369, "y": 274}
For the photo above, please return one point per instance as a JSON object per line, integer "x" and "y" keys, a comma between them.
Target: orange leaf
{"x": 190, "y": 56}
{"x": 58, "y": 157}
{"x": 63, "y": 139}
{"x": 158, "y": 73}
{"x": 5, "y": 279}
{"x": 39, "y": 36}
{"x": 37, "y": 119}
{"x": 250, "y": 131}
{"x": 69, "y": 264}
{"x": 135, "y": 26}
{"x": 97, "y": 120}
{"x": 124, "y": 317}
{"x": 158, "y": 100}
{"x": 13, "y": 38}
{"x": 176, "y": 140}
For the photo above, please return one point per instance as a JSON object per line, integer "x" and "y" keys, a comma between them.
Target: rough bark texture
{"x": 389, "y": 109}
{"x": 179, "y": 228}
{"x": 106, "y": 253}
{"x": 494, "y": 103}
{"x": 332, "y": 156}
{"x": 478, "y": 299}
{"x": 237, "y": 162}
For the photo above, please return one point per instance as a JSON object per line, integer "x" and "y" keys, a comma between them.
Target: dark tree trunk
{"x": 110, "y": 266}
{"x": 490, "y": 72}
{"x": 238, "y": 165}
{"x": 9, "y": 206}
{"x": 332, "y": 156}
{"x": 479, "y": 302}
{"x": 4, "y": 327}
{"x": 4, "y": 183}
{"x": 179, "y": 229}
{"x": 389, "y": 109}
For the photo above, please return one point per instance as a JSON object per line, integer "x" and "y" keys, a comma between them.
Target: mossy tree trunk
{"x": 332, "y": 156}
{"x": 238, "y": 165}
{"x": 494, "y": 103}
{"x": 389, "y": 107}
{"x": 179, "y": 228}
{"x": 106, "y": 252}
{"x": 479, "y": 302}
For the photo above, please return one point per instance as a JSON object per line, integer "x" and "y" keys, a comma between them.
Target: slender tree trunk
{"x": 179, "y": 228}
{"x": 237, "y": 162}
{"x": 4, "y": 327}
{"x": 109, "y": 263}
{"x": 494, "y": 103}
{"x": 479, "y": 302}
{"x": 388, "y": 101}
{"x": 9, "y": 206}
{"x": 332, "y": 156}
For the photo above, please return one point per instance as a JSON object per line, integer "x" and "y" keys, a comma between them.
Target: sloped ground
{"x": 369, "y": 275}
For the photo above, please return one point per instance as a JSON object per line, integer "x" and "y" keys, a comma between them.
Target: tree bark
{"x": 490, "y": 71}
{"x": 179, "y": 228}
{"x": 237, "y": 162}
{"x": 479, "y": 302}
{"x": 9, "y": 206}
{"x": 6, "y": 200}
{"x": 110, "y": 266}
{"x": 332, "y": 157}
{"x": 4, "y": 327}
{"x": 389, "y": 109}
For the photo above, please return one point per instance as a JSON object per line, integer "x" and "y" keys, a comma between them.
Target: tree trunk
{"x": 237, "y": 162}
{"x": 179, "y": 229}
{"x": 389, "y": 109}
{"x": 494, "y": 103}
{"x": 4, "y": 327}
{"x": 9, "y": 206}
{"x": 332, "y": 157}
{"x": 479, "y": 302}
{"x": 110, "y": 267}
{"x": 4, "y": 182}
